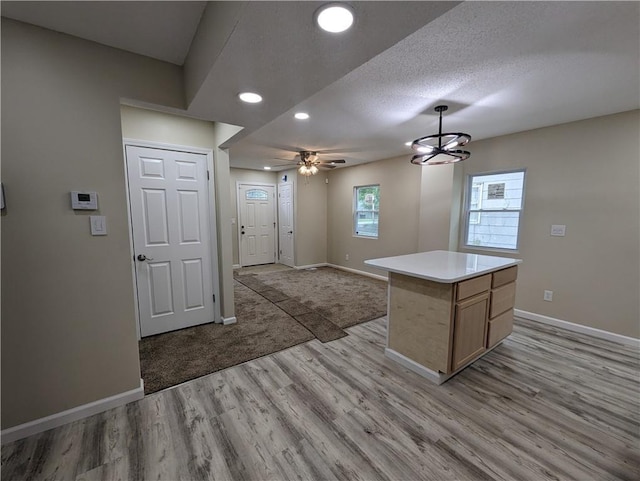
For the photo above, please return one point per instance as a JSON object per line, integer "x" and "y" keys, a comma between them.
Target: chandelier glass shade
{"x": 440, "y": 148}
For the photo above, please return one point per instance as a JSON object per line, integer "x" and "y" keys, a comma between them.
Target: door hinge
{"x": 214, "y": 298}
{"x": 207, "y": 175}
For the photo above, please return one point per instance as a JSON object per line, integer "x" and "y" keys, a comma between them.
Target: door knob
{"x": 142, "y": 257}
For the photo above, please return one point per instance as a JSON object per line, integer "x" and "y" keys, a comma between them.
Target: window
{"x": 366, "y": 202}
{"x": 493, "y": 209}
{"x": 256, "y": 194}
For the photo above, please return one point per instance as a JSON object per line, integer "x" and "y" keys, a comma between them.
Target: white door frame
{"x": 215, "y": 279}
{"x": 293, "y": 220}
{"x": 275, "y": 217}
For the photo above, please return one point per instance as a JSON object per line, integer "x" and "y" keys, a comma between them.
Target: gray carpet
{"x": 341, "y": 297}
{"x": 276, "y": 308}
{"x": 322, "y": 328}
{"x": 262, "y": 328}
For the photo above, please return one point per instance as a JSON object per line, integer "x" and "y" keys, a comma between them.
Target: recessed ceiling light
{"x": 335, "y": 17}
{"x": 250, "y": 97}
{"x": 301, "y": 115}
{"x": 266, "y": 167}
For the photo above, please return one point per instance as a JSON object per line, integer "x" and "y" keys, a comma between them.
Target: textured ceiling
{"x": 502, "y": 67}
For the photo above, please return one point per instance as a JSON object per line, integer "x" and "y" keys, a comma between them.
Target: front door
{"x": 285, "y": 223}
{"x": 257, "y": 224}
{"x": 168, "y": 194}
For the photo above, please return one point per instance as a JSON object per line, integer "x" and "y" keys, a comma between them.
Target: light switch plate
{"x": 558, "y": 230}
{"x": 98, "y": 224}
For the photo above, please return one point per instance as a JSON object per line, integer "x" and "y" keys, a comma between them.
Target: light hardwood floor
{"x": 546, "y": 404}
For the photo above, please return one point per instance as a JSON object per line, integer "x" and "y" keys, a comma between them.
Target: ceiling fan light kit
{"x": 440, "y": 148}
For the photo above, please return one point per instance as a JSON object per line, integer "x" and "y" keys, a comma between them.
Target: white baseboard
{"x": 322, "y": 264}
{"x": 356, "y": 271}
{"x": 80, "y": 412}
{"x": 410, "y": 364}
{"x": 434, "y": 376}
{"x": 570, "y": 326}
{"x": 236, "y": 266}
{"x": 229, "y": 320}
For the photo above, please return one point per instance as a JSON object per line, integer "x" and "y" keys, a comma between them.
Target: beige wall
{"x": 400, "y": 183}
{"x": 310, "y": 217}
{"x": 247, "y": 176}
{"x": 223, "y": 132}
{"x": 68, "y": 322}
{"x": 440, "y": 191}
{"x": 584, "y": 175}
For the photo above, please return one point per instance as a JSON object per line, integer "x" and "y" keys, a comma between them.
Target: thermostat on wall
{"x": 84, "y": 200}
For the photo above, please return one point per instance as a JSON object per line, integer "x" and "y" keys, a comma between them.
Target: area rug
{"x": 262, "y": 328}
{"x": 341, "y": 297}
{"x": 276, "y": 308}
{"x": 322, "y": 328}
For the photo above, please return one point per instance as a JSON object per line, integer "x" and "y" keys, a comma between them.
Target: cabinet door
{"x": 469, "y": 330}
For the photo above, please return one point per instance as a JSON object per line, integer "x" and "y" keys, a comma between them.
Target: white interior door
{"x": 257, "y": 224}
{"x": 168, "y": 196}
{"x": 285, "y": 223}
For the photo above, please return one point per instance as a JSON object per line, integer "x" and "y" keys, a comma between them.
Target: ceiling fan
{"x": 309, "y": 163}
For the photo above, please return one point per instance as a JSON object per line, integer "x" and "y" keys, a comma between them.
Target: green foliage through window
{"x": 366, "y": 207}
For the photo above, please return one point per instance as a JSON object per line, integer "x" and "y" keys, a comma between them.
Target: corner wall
{"x": 585, "y": 175}
{"x": 68, "y": 320}
{"x": 310, "y": 209}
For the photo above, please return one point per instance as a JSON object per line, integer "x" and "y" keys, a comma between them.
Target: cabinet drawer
{"x": 499, "y": 328}
{"x": 474, "y": 286}
{"x": 502, "y": 299}
{"x": 504, "y": 276}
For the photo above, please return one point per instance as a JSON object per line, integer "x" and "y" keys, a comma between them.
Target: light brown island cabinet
{"x": 447, "y": 309}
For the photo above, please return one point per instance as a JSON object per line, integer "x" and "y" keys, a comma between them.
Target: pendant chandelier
{"x": 440, "y": 148}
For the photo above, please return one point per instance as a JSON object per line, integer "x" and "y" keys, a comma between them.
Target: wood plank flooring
{"x": 545, "y": 405}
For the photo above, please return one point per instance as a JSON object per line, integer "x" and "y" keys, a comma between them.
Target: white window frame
{"x": 356, "y": 212}
{"x": 467, "y": 211}
{"x": 478, "y": 209}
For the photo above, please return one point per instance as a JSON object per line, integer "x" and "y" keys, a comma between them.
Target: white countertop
{"x": 442, "y": 266}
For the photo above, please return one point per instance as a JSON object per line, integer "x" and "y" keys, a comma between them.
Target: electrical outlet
{"x": 548, "y": 296}
{"x": 346, "y": 257}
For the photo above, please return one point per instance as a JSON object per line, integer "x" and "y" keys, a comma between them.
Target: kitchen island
{"x": 446, "y": 309}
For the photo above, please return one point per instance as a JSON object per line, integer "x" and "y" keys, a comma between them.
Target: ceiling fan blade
{"x": 288, "y": 148}
{"x": 326, "y": 166}
{"x": 333, "y": 161}
{"x": 345, "y": 150}
{"x": 288, "y": 160}
{"x": 290, "y": 166}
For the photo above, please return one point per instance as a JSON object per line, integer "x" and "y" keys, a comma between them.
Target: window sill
{"x": 493, "y": 250}
{"x": 364, "y": 237}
